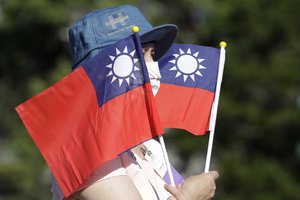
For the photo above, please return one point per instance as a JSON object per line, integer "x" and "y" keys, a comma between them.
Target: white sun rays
{"x": 123, "y": 66}
{"x": 187, "y": 64}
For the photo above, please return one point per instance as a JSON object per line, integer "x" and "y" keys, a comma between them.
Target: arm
{"x": 199, "y": 187}
{"x": 118, "y": 188}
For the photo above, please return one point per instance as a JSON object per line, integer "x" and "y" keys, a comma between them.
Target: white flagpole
{"x": 166, "y": 158}
{"x": 214, "y": 111}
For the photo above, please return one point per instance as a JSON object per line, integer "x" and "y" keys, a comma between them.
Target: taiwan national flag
{"x": 98, "y": 111}
{"x": 186, "y": 95}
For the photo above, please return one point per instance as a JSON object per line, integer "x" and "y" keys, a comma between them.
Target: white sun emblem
{"x": 122, "y": 66}
{"x": 187, "y": 64}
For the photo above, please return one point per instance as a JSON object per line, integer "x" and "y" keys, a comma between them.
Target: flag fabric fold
{"x": 189, "y": 77}
{"x": 98, "y": 111}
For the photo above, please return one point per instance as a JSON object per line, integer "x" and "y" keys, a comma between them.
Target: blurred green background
{"x": 257, "y": 140}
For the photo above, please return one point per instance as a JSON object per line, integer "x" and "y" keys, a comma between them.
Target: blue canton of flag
{"x": 116, "y": 70}
{"x": 190, "y": 66}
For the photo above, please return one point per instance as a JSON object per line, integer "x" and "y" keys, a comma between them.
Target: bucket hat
{"x": 101, "y": 28}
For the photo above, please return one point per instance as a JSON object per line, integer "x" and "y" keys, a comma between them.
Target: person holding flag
{"x": 102, "y": 44}
{"x": 156, "y": 41}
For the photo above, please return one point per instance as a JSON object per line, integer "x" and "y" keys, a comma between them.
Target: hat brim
{"x": 163, "y": 37}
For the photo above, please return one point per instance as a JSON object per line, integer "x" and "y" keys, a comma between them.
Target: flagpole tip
{"x": 223, "y": 44}
{"x": 135, "y": 29}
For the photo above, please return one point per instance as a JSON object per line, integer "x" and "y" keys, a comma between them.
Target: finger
{"x": 178, "y": 186}
{"x": 175, "y": 192}
{"x": 171, "y": 189}
{"x": 212, "y": 195}
{"x": 215, "y": 174}
{"x": 213, "y": 191}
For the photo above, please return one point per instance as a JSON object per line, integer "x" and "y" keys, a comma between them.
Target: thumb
{"x": 215, "y": 174}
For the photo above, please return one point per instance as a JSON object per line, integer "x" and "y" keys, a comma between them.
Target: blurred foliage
{"x": 257, "y": 145}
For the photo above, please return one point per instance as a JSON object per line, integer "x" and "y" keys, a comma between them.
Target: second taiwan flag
{"x": 186, "y": 95}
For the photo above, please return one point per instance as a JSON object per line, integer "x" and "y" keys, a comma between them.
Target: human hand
{"x": 199, "y": 187}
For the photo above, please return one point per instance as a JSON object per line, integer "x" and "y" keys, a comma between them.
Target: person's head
{"x": 101, "y": 28}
